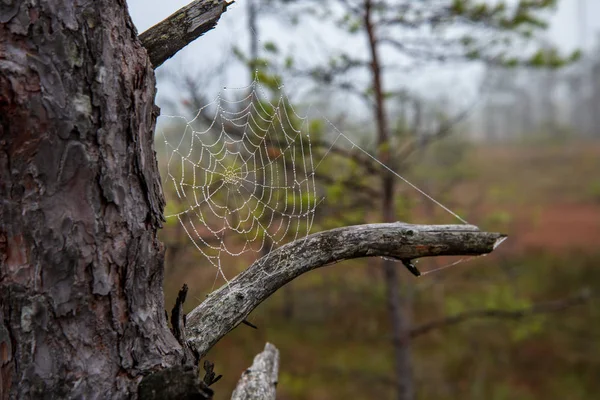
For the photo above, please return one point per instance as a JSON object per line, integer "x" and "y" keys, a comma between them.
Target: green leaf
{"x": 467, "y": 40}
{"x": 289, "y": 62}
{"x": 576, "y": 55}
{"x": 473, "y": 55}
{"x": 239, "y": 54}
{"x": 271, "y": 47}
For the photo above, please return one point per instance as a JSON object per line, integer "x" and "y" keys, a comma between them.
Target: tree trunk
{"x": 81, "y": 267}
{"x": 399, "y": 320}
{"x": 252, "y": 10}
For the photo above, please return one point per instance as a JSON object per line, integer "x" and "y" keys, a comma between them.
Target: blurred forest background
{"x": 478, "y": 108}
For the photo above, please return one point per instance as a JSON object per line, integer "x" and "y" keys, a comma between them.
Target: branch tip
{"x": 499, "y": 241}
{"x": 175, "y": 32}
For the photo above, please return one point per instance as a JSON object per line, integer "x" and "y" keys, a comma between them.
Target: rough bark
{"x": 81, "y": 269}
{"x": 259, "y": 382}
{"x": 166, "y": 38}
{"x": 227, "y": 307}
{"x": 176, "y": 383}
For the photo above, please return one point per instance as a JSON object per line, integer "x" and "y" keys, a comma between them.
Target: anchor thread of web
{"x": 244, "y": 174}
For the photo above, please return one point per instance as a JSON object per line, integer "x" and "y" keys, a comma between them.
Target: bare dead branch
{"x": 539, "y": 308}
{"x": 166, "y": 38}
{"x": 178, "y": 328}
{"x": 225, "y": 308}
{"x": 352, "y": 183}
{"x": 260, "y": 380}
{"x": 443, "y": 131}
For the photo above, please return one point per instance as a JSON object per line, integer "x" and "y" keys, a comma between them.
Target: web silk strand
{"x": 245, "y": 168}
{"x": 393, "y": 172}
{"x": 242, "y": 168}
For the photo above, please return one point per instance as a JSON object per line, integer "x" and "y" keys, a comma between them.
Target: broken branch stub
{"x": 181, "y": 28}
{"x": 228, "y": 306}
{"x": 259, "y": 382}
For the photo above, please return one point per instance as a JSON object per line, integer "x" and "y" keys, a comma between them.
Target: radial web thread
{"x": 243, "y": 173}
{"x": 242, "y": 169}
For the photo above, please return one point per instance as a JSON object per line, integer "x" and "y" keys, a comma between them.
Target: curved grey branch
{"x": 228, "y": 306}
{"x": 169, "y": 36}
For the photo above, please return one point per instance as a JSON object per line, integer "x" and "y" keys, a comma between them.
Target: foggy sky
{"x": 565, "y": 25}
{"x": 566, "y": 31}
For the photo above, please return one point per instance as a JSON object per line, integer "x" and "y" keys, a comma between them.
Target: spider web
{"x": 243, "y": 175}
{"x": 243, "y": 172}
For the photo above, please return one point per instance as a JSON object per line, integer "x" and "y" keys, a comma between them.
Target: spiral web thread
{"x": 243, "y": 173}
